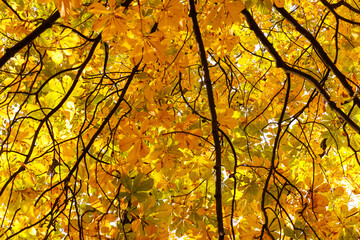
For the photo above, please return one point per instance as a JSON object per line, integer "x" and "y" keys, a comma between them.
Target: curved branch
{"x": 331, "y": 8}
{"x": 54, "y": 110}
{"x": 272, "y": 164}
{"x": 345, "y": 4}
{"x": 320, "y": 50}
{"x": 281, "y": 64}
{"x": 105, "y": 122}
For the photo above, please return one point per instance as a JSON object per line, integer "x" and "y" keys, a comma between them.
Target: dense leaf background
{"x": 156, "y": 119}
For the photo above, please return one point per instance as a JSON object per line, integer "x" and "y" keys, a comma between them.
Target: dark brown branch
{"x": 214, "y": 123}
{"x": 54, "y": 110}
{"x": 104, "y": 123}
{"x": 272, "y": 164}
{"x": 78, "y": 33}
{"x": 281, "y": 64}
{"x": 319, "y": 49}
{"x": 192, "y": 134}
{"x": 345, "y": 4}
{"x": 10, "y": 52}
{"x": 12, "y": 9}
{"x": 126, "y": 3}
{"x": 338, "y": 16}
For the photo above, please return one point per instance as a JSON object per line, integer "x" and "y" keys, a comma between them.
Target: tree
{"x": 158, "y": 119}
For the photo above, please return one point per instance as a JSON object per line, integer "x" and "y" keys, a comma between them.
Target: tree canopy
{"x": 158, "y": 119}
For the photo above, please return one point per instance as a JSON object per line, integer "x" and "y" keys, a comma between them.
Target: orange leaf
{"x": 279, "y": 3}
{"x": 98, "y": 8}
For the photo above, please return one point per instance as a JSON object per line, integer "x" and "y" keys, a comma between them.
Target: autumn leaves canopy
{"x": 159, "y": 119}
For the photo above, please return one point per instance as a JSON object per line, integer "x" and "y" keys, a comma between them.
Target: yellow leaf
{"x": 70, "y": 41}
{"x": 98, "y": 8}
{"x": 135, "y": 225}
{"x": 56, "y": 56}
{"x": 22, "y": 135}
{"x": 104, "y": 229}
{"x": 32, "y": 231}
{"x": 100, "y": 23}
{"x": 125, "y": 144}
{"x": 43, "y": 1}
{"x": 325, "y": 187}
{"x": 249, "y": 235}
{"x": 320, "y": 201}
{"x": 150, "y": 229}
{"x": 154, "y": 3}
{"x": 225, "y": 118}
{"x": 234, "y": 8}
{"x": 112, "y": 4}
{"x": 355, "y": 191}
{"x": 76, "y": 3}
{"x": 119, "y": 24}
{"x": 52, "y": 98}
{"x": 7, "y": 81}
{"x": 64, "y": 7}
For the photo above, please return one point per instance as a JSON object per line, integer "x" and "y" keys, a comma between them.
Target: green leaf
{"x": 148, "y": 12}
{"x": 136, "y": 182}
{"x": 141, "y": 196}
{"x": 251, "y": 191}
{"x": 126, "y": 181}
{"x": 146, "y": 185}
{"x": 264, "y": 6}
{"x": 154, "y": 3}
{"x": 249, "y": 3}
{"x": 289, "y": 232}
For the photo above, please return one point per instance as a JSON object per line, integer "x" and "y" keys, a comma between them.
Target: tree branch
{"x": 10, "y": 52}
{"x": 12, "y": 9}
{"x": 105, "y": 122}
{"x": 214, "y": 123}
{"x": 345, "y": 4}
{"x": 272, "y": 163}
{"x": 281, "y": 64}
{"x": 320, "y": 50}
{"x": 54, "y": 110}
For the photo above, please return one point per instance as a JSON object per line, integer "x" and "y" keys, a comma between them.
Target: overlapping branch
{"x": 10, "y": 52}
{"x": 281, "y": 64}
{"x": 47, "y": 117}
{"x": 320, "y": 50}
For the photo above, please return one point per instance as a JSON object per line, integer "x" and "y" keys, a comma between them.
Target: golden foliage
{"x": 107, "y": 125}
